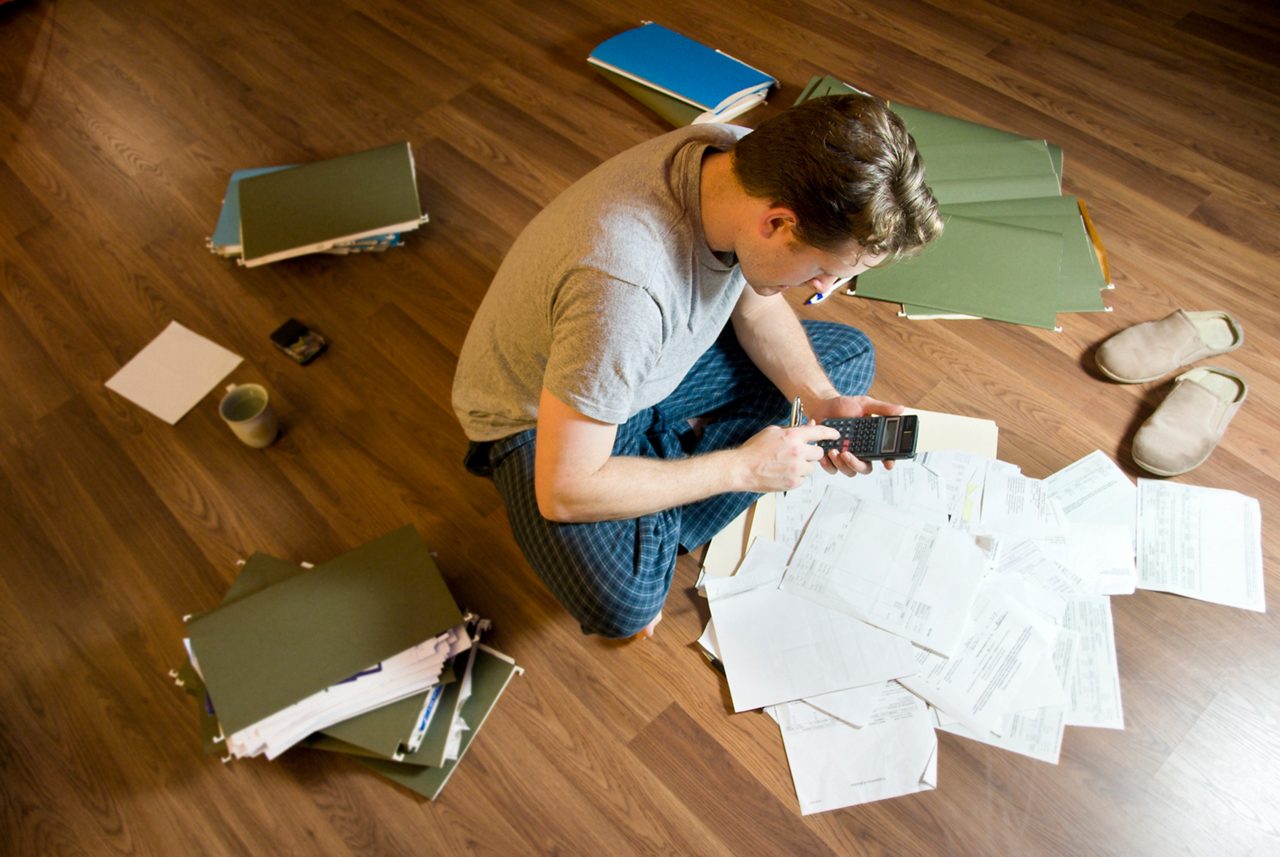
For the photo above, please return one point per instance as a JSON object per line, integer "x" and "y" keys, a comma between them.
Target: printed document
{"x": 1004, "y": 644}
{"x": 1036, "y": 733}
{"x": 853, "y": 706}
{"x": 1094, "y": 490}
{"x": 1104, "y": 555}
{"x": 1101, "y": 504}
{"x": 900, "y": 572}
{"x": 963, "y": 474}
{"x": 834, "y": 765}
{"x": 779, "y": 648}
{"x": 1095, "y": 687}
{"x": 1015, "y": 505}
{"x": 1203, "y": 543}
{"x": 1028, "y": 559}
{"x": 909, "y": 485}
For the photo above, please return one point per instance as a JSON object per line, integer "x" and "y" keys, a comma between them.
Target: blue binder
{"x": 668, "y": 62}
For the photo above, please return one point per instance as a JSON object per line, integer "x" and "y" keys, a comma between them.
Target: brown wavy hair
{"x": 847, "y": 167}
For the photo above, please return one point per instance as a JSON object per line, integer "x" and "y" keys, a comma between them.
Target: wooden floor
{"x": 119, "y": 123}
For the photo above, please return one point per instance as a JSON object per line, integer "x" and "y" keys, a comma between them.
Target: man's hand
{"x": 779, "y": 459}
{"x": 850, "y": 406}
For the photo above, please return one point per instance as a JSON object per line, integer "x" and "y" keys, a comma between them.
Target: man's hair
{"x": 847, "y": 167}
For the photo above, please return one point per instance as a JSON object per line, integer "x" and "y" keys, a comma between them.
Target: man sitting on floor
{"x": 628, "y": 376}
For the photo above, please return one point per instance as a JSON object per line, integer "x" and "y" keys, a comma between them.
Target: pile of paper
{"x": 367, "y": 654}
{"x": 1014, "y": 248}
{"x": 354, "y": 203}
{"x": 955, "y": 593}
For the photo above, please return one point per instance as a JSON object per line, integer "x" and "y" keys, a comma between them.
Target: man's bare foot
{"x": 647, "y": 631}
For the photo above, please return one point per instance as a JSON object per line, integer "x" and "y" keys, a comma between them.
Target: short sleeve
{"x": 606, "y": 337}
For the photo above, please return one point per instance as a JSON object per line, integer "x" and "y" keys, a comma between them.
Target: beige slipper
{"x": 1153, "y": 349}
{"x": 1188, "y": 424}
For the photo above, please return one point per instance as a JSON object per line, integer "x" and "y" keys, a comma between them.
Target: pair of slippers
{"x": 1188, "y": 424}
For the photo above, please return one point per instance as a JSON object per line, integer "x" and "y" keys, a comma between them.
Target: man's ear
{"x": 775, "y": 219}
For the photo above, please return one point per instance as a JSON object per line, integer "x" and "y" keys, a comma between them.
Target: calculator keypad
{"x": 858, "y": 435}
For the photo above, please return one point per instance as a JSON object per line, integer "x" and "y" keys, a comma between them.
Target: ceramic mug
{"x": 247, "y": 409}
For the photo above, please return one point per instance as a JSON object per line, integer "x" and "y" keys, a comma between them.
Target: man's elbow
{"x": 555, "y": 504}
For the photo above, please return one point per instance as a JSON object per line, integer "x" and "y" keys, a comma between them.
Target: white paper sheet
{"x": 834, "y": 765}
{"x": 1203, "y": 543}
{"x": 1027, "y": 558}
{"x": 173, "y": 372}
{"x": 710, "y": 645}
{"x": 1041, "y": 688}
{"x": 1103, "y": 554}
{"x": 1050, "y": 605}
{"x": 779, "y": 648}
{"x": 952, "y": 439}
{"x": 1094, "y": 490}
{"x": 1095, "y": 688}
{"x": 853, "y": 707}
{"x": 900, "y": 572}
{"x": 794, "y": 508}
{"x": 907, "y": 486}
{"x": 963, "y": 475}
{"x": 1015, "y": 505}
{"x": 400, "y": 676}
{"x": 1004, "y": 643}
{"x": 1036, "y": 650}
{"x": 1036, "y": 733}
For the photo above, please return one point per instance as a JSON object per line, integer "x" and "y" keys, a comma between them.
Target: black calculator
{"x": 874, "y": 438}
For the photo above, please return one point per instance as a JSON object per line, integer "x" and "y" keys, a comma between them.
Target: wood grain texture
{"x": 119, "y": 124}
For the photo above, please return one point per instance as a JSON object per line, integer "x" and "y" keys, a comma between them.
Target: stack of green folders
{"x": 1014, "y": 248}
{"x": 366, "y": 655}
{"x": 354, "y": 203}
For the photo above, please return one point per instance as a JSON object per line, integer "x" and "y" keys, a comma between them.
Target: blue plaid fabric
{"x": 613, "y": 576}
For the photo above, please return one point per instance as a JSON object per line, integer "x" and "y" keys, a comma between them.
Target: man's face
{"x": 773, "y": 267}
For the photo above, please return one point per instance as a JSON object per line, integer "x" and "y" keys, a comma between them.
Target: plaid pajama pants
{"x": 613, "y": 576}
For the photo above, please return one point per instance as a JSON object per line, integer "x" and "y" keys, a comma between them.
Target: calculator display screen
{"x": 889, "y": 442}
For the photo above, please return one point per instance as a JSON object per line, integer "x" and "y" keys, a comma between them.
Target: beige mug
{"x": 247, "y": 409}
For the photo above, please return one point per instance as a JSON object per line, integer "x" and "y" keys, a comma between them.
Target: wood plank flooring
{"x": 119, "y": 123}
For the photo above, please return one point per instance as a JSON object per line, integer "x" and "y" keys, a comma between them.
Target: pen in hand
{"x": 819, "y": 297}
{"x": 797, "y": 414}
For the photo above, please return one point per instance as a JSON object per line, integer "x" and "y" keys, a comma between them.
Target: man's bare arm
{"x": 772, "y": 336}
{"x": 577, "y": 478}
{"x": 774, "y": 339}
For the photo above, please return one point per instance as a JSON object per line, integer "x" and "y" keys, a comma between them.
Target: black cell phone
{"x": 298, "y": 341}
{"x": 874, "y": 438}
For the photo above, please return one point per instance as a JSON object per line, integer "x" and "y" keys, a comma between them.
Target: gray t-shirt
{"x": 606, "y": 298}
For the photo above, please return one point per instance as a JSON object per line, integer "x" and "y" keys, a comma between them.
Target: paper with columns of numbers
{"x": 1203, "y": 543}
